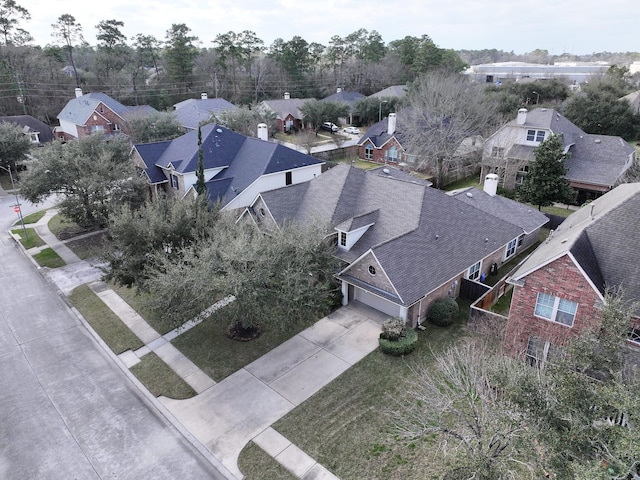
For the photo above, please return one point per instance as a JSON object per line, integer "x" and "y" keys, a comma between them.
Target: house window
{"x": 535, "y": 136}
{"x": 115, "y": 127}
{"x": 474, "y": 271}
{"x": 511, "y": 248}
{"x": 520, "y": 240}
{"x": 372, "y": 270}
{"x": 174, "y": 182}
{"x": 497, "y": 152}
{"x": 34, "y": 137}
{"x": 343, "y": 239}
{"x": 262, "y": 212}
{"x": 391, "y": 155}
{"x": 288, "y": 178}
{"x": 522, "y": 173}
{"x": 540, "y": 351}
{"x": 368, "y": 152}
{"x": 634, "y": 335}
{"x": 555, "y": 309}
{"x": 97, "y": 128}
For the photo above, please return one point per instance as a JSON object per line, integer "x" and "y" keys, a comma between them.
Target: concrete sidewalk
{"x": 242, "y": 406}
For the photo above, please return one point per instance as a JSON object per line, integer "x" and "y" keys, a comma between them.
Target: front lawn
{"x": 345, "y": 425}
{"x": 159, "y": 379}
{"x": 49, "y": 258}
{"x": 106, "y": 323}
{"x": 64, "y": 229}
{"x": 33, "y": 217}
{"x": 90, "y": 246}
{"x": 218, "y": 356}
{"x": 139, "y": 301}
{"x": 31, "y": 240}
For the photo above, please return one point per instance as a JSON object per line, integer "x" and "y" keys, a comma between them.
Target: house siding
{"x": 379, "y": 153}
{"x": 360, "y": 270}
{"x": 560, "y": 278}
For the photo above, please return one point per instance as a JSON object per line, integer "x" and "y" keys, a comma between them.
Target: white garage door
{"x": 376, "y": 302}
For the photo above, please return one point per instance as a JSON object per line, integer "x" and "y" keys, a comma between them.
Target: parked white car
{"x": 354, "y": 130}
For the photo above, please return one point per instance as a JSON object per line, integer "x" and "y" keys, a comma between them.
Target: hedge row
{"x": 402, "y": 346}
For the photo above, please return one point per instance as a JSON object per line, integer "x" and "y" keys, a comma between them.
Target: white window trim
{"x": 634, "y": 335}
{"x": 512, "y": 245}
{"x": 368, "y": 152}
{"x": 554, "y": 311}
{"x": 477, "y": 272}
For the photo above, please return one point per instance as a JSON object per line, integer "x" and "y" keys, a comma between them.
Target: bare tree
{"x": 68, "y": 31}
{"x": 443, "y": 109}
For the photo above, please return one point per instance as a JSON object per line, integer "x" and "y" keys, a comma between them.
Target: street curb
{"x": 161, "y": 409}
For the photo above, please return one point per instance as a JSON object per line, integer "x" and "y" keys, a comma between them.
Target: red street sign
{"x": 16, "y": 209}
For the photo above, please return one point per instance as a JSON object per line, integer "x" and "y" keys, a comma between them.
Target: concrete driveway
{"x": 231, "y": 413}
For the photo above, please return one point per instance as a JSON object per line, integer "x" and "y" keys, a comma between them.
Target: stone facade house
{"x": 96, "y": 113}
{"x": 559, "y": 290}
{"x": 236, "y": 168}
{"x": 402, "y": 243}
{"x": 596, "y": 163}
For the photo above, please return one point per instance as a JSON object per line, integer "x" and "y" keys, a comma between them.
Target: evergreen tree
{"x": 201, "y": 188}
{"x": 546, "y": 183}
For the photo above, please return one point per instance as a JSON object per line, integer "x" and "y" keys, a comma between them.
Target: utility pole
{"x": 21, "y": 98}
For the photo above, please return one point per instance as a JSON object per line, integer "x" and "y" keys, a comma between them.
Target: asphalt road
{"x": 67, "y": 411}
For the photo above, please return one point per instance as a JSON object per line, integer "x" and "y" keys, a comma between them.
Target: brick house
{"x": 96, "y": 113}
{"x": 384, "y": 143}
{"x": 595, "y": 164}
{"x": 289, "y": 118}
{"x": 402, "y": 244}
{"x": 560, "y": 288}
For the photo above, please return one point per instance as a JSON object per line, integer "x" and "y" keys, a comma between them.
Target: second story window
{"x": 535, "y": 136}
{"x": 555, "y": 309}
{"x": 343, "y": 239}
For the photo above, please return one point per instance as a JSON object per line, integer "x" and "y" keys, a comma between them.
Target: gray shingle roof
{"x": 350, "y": 98}
{"x": 33, "y": 124}
{"x": 392, "y": 91}
{"x": 421, "y": 236}
{"x": 600, "y": 236}
{"x": 192, "y": 112}
{"x": 527, "y": 218}
{"x": 377, "y": 134}
{"x": 79, "y": 109}
{"x": 284, "y": 107}
{"x": 242, "y": 159}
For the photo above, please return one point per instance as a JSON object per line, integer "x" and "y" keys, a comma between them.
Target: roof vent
{"x": 437, "y": 236}
{"x": 597, "y": 140}
{"x": 219, "y": 130}
{"x": 386, "y": 170}
{"x": 469, "y": 194}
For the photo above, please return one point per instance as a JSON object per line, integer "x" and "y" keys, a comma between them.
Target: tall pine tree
{"x": 546, "y": 183}
{"x": 201, "y": 188}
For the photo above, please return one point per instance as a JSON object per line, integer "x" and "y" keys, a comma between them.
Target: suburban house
{"x": 347, "y": 98}
{"x": 37, "y": 131}
{"x": 96, "y": 113}
{"x": 289, "y": 118}
{"x": 634, "y": 101}
{"x": 384, "y": 143}
{"x": 392, "y": 91}
{"x": 595, "y": 165}
{"x": 560, "y": 288}
{"x": 402, "y": 243}
{"x": 236, "y": 168}
{"x": 191, "y": 113}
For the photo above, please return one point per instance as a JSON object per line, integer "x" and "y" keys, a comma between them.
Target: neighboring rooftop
{"x": 193, "y": 112}
{"x": 392, "y": 91}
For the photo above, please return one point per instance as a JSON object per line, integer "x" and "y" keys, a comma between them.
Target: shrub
{"x": 443, "y": 312}
{"x": 404, "y": 345}
{"x": 393, "y": 328}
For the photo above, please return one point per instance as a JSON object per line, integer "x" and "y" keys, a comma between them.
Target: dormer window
{"x": 535, "y": 136}
{"x": 343, "y": 239}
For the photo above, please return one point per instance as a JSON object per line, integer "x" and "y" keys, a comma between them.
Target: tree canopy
{"x": 14, "y": 145}
{"x": 93, "y": 175}
{"x": 316, "y": 112}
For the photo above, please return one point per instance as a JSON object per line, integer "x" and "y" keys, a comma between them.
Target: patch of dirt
{"x": 240, "y": 334}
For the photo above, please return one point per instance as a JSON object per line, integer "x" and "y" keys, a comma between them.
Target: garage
{"x": 377, "y": 302}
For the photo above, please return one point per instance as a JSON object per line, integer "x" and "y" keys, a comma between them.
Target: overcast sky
{"x": 522, "y": 26}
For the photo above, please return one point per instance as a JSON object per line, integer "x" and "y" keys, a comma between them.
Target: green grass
{"x": 361, "y": 164}
{"x": 218, "y": 356}
{"x": 49, "y": 258}
{"x": 32, "y": 240}
{"x": 503, "y": 304}
{"x": 5, "y": 181}
{"x": 345, "y": 426}
{"x": 106, "y": 323}
{"x": 560, "y": 211}
{"x": 159, "y": 379}
{"x": 90, "y": 246}
{"x": 34, "y": 217}
{"x": 139, "y": 301}
{"x": 63, "y": 228}
{"x": 256, "y": 464}
{"x": 464, "y": 183}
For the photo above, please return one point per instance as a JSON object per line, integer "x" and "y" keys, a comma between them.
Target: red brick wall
{"x": 560, "y": 278}
{"x": 102, "y": 118}
{"x": 378, "y": 153}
